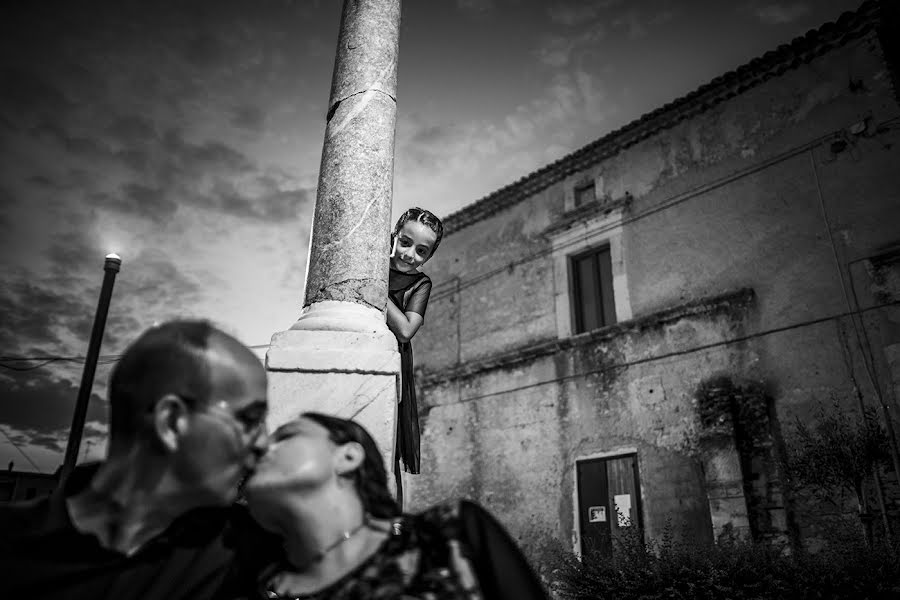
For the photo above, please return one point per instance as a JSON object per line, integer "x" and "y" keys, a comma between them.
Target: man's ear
{"x": 170, "y": 421}
{"x": 349, "y": 457}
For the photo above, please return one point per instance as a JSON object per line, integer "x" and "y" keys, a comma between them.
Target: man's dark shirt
{"x": 42, "y": 555}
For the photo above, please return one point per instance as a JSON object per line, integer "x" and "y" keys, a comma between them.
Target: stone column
{"x": 339, "y": 357}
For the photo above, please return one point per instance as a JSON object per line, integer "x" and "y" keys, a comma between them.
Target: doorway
{"x": 609, "y": 501}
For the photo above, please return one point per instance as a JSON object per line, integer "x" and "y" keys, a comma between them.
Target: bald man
{"x": 187, "y": 425}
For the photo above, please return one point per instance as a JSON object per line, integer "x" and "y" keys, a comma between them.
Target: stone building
{"x": 624, "y": 336}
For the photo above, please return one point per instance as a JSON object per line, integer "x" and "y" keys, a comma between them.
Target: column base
{"x": 334, "y": 315}
{"x": 353, "y": 373}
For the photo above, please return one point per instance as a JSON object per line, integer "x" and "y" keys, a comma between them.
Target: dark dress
{"x": 449, "y": 552}
{"x": 409, "y": 292}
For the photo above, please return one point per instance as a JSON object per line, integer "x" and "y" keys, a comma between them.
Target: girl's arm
{"x": 404, "y": 325}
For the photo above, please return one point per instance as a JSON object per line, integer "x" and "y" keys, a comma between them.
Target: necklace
{"x": 344, "y": 537}
{"x": 270, "y": 591}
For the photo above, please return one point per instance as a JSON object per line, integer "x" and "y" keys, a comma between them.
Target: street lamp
{"x": 110, "y": 267}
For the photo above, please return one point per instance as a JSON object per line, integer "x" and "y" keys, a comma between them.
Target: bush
{"x": 733, "y": 569}
{"x": 840, "y": 451}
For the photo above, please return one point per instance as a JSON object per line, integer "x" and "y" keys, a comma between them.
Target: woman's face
{"x": 301, "y": 455}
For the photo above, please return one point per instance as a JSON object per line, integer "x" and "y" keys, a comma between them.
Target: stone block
{"x": 353, "y": 375}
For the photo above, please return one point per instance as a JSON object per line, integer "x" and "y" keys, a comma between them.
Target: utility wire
{"x": 22, "y": 452}
{"x": 32, "y": 367}
{"x": 46, "y": 360}
{"x": 674, "y": 354}
{"x": 49, "y": 358}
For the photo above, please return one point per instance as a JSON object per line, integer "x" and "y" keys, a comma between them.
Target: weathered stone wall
{"x": 785, "y": 189}
{"x": 516, "y": 450}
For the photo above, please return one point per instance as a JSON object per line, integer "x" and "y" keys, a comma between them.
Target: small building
{"x": 25, "y": 485}
{"x": 624, "y": 337}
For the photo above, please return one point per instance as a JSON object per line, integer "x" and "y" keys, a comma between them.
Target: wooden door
{"x": 608, "y": 501}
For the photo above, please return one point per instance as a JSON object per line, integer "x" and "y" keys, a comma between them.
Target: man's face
{"x": 226, "y": 438}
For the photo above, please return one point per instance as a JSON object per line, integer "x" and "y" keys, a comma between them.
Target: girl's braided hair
{"x": 370, "y": 478}
{"x": 425, "y": 217}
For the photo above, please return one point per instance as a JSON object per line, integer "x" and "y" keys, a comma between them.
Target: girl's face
{"x": 301, "y": 455}
{"x": 412, "y": 246}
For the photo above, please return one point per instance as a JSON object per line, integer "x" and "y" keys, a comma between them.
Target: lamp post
{"x": 110, "y": 267}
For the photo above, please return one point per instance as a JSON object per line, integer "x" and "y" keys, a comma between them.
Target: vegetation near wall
{"x": 838, "y": 450}
{"x": 735, "y": 569}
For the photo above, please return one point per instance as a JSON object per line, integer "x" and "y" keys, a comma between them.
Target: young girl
{"x": 414, "y": 240}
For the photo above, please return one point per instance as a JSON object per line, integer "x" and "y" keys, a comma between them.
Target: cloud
{"x": 147, "y": 130}
{"x": 632, "y": 23}
{"x": 269, "y": 197}
{"x": 68, "y": 249}
{"x": 132, "y": 130}
{"x": 578, "y": 13}
{"x": 636, "y": 23}
{"x": 558, "y": 50}
{"x": 248, "y": 118}
{"x": 37, "y": 313}
{"x": 141, "y": 200}
{"x": 211, "y": 155}
{"x": 588, "y": 26}
{"x": 156, "y": 282}
{"x": 6, "y": 198}
{"x": 41, "y": 405}
{"x": 475, "y": 7}
{"x": 83, "y": 147}
{"x": 475, "y": 158}
{"x": 205, "y": 50}
{"x": 780, "y": 13}
{"x": 171, "y": 171}
{"x": 25, "y": 94}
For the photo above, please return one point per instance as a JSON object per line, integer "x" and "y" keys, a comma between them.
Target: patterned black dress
{"x": 449, "y": 552}
{"x": 409, "y": 292}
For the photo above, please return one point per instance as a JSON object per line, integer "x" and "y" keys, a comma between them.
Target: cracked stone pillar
{"x": 339, "y": 357}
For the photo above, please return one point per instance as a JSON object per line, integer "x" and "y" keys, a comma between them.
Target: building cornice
{"x": 738, "y": 300}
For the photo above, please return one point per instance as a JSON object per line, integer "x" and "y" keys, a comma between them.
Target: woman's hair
{"x": 426, "y": 218}
{"x": 370, "y": 477}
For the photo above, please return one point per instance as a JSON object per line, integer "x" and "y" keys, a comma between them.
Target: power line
{"x": 16, "y": 446}
{"x": 54, "y": 357}
{"x": 50, "y": 358}
{"x": 46, "y": 360}
{"x": 675, "y": 354}
{"x": 32, "y": 367}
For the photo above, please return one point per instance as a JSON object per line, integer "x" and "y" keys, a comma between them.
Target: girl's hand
{"x": 394, "y": 249}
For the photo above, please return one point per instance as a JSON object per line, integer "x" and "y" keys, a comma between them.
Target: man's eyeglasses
{"x": 252, "y": 419}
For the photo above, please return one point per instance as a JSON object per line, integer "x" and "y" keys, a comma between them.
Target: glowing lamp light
{"x": 113, "y": 262}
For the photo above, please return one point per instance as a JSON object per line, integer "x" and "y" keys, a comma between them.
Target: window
{"x": 592, "y": 293}
{"x": 600, "y": 291}
{"x": 584, "y": 194}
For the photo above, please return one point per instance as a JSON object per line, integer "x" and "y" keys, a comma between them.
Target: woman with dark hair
{"x": 321, "y": 492}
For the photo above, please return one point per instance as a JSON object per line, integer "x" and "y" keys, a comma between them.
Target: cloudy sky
{"x": 185, "y": 135}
